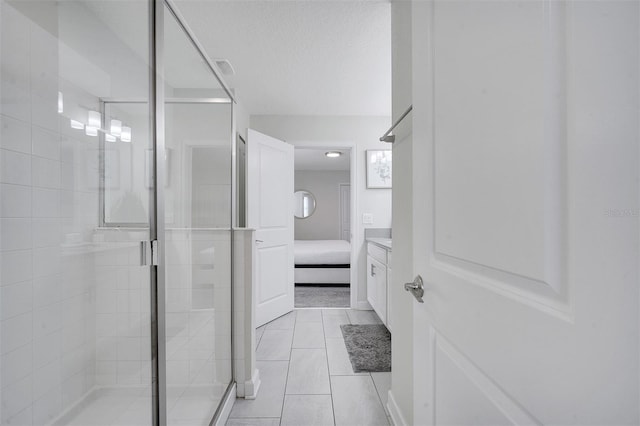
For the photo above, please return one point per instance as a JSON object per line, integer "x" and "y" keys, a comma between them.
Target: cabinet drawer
{"x": 378, "y": 253}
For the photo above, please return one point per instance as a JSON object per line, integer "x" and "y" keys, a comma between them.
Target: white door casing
{"x": 525, "y": 197}
{"x": 345, "y": 211}
{"x": 270, "y": 179}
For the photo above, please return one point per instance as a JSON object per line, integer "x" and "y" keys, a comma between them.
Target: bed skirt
{"x": 322, "y": 274}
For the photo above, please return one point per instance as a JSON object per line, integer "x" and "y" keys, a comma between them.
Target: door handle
{"x": 373, "y": 270}
{"x": 259, "y": 241}
{"x": 416, "y": 288}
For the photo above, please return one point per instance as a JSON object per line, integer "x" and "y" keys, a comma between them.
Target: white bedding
{"x": 322, "y": 252}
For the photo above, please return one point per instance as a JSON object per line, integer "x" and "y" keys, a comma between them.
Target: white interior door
{"x": 526, "y": 212}
{"x": 270, "y": 213}
{"x": 345, "y": 211}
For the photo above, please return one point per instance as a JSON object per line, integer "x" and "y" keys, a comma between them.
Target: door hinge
{"x": 149, "y": 253}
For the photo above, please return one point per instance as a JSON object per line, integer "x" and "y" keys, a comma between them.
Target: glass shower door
{"x": 197, "y": 229}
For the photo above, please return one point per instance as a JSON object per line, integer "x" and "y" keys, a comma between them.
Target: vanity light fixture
{"x": 77, "y": 125}
{"x": 333, "y": 154}
{"x": 125, "y": 135}
{"x": 94, "y": 119}
{"x": 60, "y": 103}
{"x": 116, "y": 127}
{"x": 91, "y": 131}
{"x": 109, "y": 138}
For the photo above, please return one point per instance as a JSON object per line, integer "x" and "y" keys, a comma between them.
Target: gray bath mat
{"x": 369, "y": 347}
{"x": 322, "y": 296}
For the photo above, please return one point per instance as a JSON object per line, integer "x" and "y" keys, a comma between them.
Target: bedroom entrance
{"x": 322, "y": 227}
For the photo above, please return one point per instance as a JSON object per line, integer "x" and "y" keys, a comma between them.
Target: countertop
{"x": 385, "y": 243}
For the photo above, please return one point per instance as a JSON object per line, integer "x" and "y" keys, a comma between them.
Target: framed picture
{"x": 379, "y": 168}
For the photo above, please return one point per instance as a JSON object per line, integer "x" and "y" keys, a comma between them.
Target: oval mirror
{"x": 305, "y": 204}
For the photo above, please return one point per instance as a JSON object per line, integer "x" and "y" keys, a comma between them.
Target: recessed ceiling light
{"x": 333, "y": 154}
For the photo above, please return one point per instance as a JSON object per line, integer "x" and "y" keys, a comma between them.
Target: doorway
{"x": 323, "y": 224}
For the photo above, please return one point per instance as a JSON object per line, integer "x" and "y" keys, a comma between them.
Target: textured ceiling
{"x": 315, "y": 159}
{"x": 300, "y": 57}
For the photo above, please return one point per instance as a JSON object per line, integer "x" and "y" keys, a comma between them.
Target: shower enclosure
{"x": 115, "y": 217}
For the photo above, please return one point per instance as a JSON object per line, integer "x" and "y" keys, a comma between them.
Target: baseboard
{"x": 252, "y": 386}
{"x": 226, "y": 407}
{"x": 363, "y": 306}
{"x": 394, "y": 411}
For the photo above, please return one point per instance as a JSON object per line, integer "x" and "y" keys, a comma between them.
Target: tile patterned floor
{"x": 307, "y": 379}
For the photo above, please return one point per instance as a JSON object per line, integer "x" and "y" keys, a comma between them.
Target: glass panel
{"x": 198, "y": 247}
{"x": 75, "y": 301}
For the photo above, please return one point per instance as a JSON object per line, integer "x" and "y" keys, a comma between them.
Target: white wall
{"x": 324, "y": 223}
{"x": 363, "y": 132}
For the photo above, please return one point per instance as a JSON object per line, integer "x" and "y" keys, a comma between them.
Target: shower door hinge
{"x": 154, "y": 253}
{"x": 149, "y": 253}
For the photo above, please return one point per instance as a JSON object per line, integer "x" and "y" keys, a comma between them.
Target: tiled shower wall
{"x": 47, "y": 207}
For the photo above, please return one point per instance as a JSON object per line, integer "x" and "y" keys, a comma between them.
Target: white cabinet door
{"x": 380, "y": 271}
{"x": 270, "y": 213}
{"x": 372, "y": 283}
{"x": 525, "y": 207}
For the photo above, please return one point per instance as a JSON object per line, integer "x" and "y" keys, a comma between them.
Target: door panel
{"x": 270, "y": 212}
{"x": 518, "y": 164}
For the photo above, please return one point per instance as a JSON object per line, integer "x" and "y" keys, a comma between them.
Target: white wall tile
{"x": 47, "y": 232}
{"x": 16, "y": 365}
{"x": 129, "y": 372}
{"x": 45, "y": 202}
{"x": 44, "y": 110}
{"x": 16, "y": 332}
{"x": 14, "y": 89}
{"x": 45, "y": 173}
{"x": 16, "y": 397}
{"x": 128, "y": 348}
{"x": 106, "y": 372}
{"x": 15, "y": 135}
{"x": 15, "y": 167}
{"x": 15, "y": 234}
{"x": 45, "y": 143}
{"x": 47, "y": 290}
{"x": 46, "y": 378}
{"x": 15, "y": 200}
{"x": 46, "y": 261}
{"x": 47, "y": 348}
{"x": 16, "y": 299}
{"x": 48, "y": 406}
{"x": 15, "y": 266}
{"x": 46, "y": 320}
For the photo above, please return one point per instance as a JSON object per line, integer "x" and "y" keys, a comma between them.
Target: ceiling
{"x": 300, "y": 57}
{"x": 315, "y": 160}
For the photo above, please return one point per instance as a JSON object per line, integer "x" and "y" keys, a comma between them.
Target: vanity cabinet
{"x": 378, "y": 277}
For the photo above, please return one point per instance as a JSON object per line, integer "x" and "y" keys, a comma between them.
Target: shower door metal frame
{"x": 156, "y": 207}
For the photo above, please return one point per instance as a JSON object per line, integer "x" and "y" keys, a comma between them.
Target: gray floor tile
{"x": 338, "y": 358}
{"x": 356, "y": 402}
{"x": 270, "y": 421}
{"x": 268, "y": 403}
{"x": 363, "y": 317}
{"x": 332, "y": 325}
{"x": 340, "y": 313}
{"x": 309, "y": 315}
{"x": 285, "y": 322}
{"x": 308, "y": 373}
{"x": 308, "y": 335}
{"x": 382, "y": 381}
{"x": 307, "y": 410}
{"x": 275, "y": 345}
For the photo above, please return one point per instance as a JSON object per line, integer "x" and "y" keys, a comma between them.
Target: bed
{"x": 322, "y": 262}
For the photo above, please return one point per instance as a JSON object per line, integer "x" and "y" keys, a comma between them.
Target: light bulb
{"x": 91, "y": 131}
{"x": 125, "y": 136}
{"x": 116, "y": 127}
{"x": 109, "y": 138}
{"x": 94, "y": 119}
{"x": 77, "y": 125}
